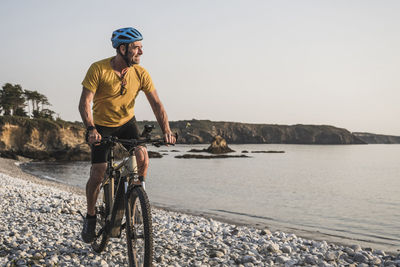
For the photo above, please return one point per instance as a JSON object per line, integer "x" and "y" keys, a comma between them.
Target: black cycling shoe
{"x": 88, "y": 231}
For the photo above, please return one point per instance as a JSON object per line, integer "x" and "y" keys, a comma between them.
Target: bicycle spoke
{"x": 140, "y": 243}
{"x": 101, "y": 237}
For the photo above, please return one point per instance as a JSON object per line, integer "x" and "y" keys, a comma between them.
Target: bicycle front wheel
{"x": 139, "y": 230}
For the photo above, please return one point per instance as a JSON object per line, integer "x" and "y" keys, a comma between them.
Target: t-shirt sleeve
{"x": 147, "y": 83}
{"x": 92, "y": 78}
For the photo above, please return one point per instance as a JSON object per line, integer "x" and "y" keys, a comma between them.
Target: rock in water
{"x": 8, "y": 155}
{"x": 219, "y": 146}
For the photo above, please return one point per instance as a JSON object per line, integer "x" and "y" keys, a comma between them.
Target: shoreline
{"x": 345, "y": 239}
{"x": 279, "y": 227}
{"x": 265, "y": 248}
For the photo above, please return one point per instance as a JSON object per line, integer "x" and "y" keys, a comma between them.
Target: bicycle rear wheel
{"x": 102, "y": 236}
{"x": 139, "y": 230}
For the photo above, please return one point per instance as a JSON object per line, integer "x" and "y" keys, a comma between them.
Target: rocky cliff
{"x": 371, "y": 138}
{"x": 203, "y": 131}
{"x": 43, "y": 139}
{"x": 59, "y": 140}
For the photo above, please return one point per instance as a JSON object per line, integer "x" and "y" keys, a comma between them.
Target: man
{"x": 113, "y": 84}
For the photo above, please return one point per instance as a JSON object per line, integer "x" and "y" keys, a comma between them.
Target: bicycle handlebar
{"x": 135, "y": 142}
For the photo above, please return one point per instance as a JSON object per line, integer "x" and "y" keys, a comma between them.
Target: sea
{"x": 348, "y": 194}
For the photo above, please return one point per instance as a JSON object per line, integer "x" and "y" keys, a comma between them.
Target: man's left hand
{"x": 169, "y": 138}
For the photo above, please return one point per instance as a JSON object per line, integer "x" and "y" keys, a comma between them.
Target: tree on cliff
{"x": 39, "y": 103}
{"x": 37, "y": 100}
{"x": 29, "y": 96}
{"x": 12, "y": 101}
{"x": 44, "y": 113}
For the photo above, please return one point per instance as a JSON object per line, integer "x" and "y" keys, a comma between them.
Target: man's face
{"x": 135, "y": 50}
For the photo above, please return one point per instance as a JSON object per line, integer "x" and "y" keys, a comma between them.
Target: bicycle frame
{"x": 125, "y": 197}
{"x": 118, "y": 178}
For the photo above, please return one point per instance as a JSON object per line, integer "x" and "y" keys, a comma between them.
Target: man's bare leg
{"x": 92, "y": 191}
{"x": 142, "y": 160}
{"x": 93, "y": 186}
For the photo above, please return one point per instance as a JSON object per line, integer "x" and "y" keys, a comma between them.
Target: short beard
{"x": 128, "y": 62}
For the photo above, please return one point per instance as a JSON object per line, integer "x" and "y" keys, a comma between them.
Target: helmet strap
{"x": 125, "y": 57}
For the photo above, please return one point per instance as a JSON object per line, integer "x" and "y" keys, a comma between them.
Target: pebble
{"x": 358, "y": 257}
{"x": 39, "y": 226}
{"x": 287, "y": 249}
{"x": 330, "y": 256}
{"x": 216, "y": 254}
{"x": 273, "y": 247}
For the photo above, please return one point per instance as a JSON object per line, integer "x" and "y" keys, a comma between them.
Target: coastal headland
{"x": 44, "y": 139}
{"x": 39, "y": 226}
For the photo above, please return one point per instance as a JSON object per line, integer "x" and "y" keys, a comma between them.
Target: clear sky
{"x": 256, "y": 61}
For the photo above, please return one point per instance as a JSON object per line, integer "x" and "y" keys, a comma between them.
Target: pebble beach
{"x": 40, "y": 226}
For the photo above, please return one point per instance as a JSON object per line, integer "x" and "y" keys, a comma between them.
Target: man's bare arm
{"x": 86, "y": 114}
{"x": 161, "y": 115}
{"x": 84, "y": 107}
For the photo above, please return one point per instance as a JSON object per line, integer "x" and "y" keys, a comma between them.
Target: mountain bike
{"x": 123, "y": 193}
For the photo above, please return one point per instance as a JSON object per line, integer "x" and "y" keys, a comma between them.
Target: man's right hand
{"x": 93, "y": 137}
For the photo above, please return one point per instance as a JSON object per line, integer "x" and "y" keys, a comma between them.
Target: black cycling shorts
{"x": 127, "y": 131}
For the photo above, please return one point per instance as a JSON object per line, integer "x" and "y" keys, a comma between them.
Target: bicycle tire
{"x": 101, "y": 239}
{"x": 139, "y": 230}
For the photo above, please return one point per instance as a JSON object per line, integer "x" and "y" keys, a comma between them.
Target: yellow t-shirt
{"x": 110, "y": 108}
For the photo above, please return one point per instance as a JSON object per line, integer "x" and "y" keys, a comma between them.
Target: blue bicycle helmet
{"x": 125, "y": 36}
